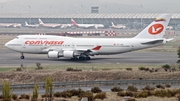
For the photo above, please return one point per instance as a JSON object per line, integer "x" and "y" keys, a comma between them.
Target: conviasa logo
{"x": 156, "y": 29}
{"x": 40, "y": 42}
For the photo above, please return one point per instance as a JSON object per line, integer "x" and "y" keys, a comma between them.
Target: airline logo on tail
{"x": 156, "y": 29}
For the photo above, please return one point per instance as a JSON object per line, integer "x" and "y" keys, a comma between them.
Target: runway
{"x": 10, "y": 58}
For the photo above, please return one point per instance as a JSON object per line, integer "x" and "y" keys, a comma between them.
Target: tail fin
{"x": 112, "y": 24}
{"x": 74, "y": 23}
{"x": 26, "y": 23}
{"x": 156, "y": 29}
{"x": 40, "y": 22}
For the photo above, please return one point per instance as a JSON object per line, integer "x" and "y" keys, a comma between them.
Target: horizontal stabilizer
{"x": 153, "y": 42}
{"x": 170, "y": 39}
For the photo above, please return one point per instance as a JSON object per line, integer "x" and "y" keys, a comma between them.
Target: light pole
{"x": 29, "y": 14}
{"x": 82, "y": 13}
{"x": 50, "y": 9}
{"x": 1, "y": 9}
{"x": 141, "y": 17}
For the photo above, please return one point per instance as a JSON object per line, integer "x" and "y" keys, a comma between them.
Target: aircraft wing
{"x": 79, "y": 49}
{"x": 88, "y": 49}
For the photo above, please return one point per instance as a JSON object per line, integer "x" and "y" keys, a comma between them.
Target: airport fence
{"x": 95, "y": 83}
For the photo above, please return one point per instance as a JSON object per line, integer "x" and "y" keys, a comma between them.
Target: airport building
{"x": 131, "y": 20}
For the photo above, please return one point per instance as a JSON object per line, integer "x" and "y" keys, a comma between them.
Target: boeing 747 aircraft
{"x": 83, "y": 48}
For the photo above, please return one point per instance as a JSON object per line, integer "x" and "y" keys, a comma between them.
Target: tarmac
{"x": 10, "y": 58}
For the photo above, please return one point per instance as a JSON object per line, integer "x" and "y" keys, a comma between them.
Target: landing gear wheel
{"x": 22, "y": 57}
{"x": 74, "y": 58}
{"x": 80, "y": 58}
{"x": 88, "y": 58}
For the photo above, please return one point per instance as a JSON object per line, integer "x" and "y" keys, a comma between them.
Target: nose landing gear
{"x": 22, "y": 56}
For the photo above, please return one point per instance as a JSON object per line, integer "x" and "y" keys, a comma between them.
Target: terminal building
{"x": 131, "y": 20}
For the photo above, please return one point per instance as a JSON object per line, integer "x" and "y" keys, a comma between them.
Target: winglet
{"x": 97, "y": 48}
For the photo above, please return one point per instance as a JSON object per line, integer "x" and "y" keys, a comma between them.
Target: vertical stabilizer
{"x": 26, "y": 23}
{"x": 40, "y": 22}
{"x": 156, "y": 29}
{"x": 112, "y": 24}
{"x": 74, "y": 23}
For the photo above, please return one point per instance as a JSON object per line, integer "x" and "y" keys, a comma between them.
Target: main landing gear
{"x": 84, "y": 58}
{"x": 81, "y": 58}
{"x": 22, "y": 56}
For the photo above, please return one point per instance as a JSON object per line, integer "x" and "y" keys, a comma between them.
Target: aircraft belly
{"x": 114, "y": 50}
{"x": 32, "y": 49}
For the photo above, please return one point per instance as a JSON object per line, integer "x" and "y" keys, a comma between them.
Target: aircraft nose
{"x": 6, "y": 45}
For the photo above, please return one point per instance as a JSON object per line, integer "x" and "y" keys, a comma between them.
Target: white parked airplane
{"x": 48, "y": 25}
{"x": 87, "y": 25}
{"x": 118, "y": 26}
{"x": 30, "y": 25}
{"x": 83, "y": 48}
{"x": 7, "y": 25}
{"x": 17, "y": 25}
{"x": 63, "y": 26}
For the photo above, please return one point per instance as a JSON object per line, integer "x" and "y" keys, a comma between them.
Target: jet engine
{"x": 68, "y": 54}
{"x": 56, "y": 54}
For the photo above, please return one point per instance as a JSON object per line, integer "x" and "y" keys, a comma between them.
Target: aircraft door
{"x": 24, "y": 44}
{"x": 73, "y": 45}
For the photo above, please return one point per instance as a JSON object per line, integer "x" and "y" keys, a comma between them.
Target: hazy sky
{"x": 84, "y": 6}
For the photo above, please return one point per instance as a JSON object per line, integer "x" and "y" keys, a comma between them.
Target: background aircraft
{"x": 87, "y": 25}
{"x": 30, "y": 25}
{"x": 10, "y": 25}
{"x": 83, "y": 48}
{"x": 118, "y": 26}
{"x": 6, "y": 25}
{"x": 66, "y": 26}
{"x": 17, "y": 25}
{"x": 48, "y": 25}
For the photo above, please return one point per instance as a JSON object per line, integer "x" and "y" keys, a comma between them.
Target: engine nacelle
{"x": 68, "y": 54}
{"x": 54, "y": 54}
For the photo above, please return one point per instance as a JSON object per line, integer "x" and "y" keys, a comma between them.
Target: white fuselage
{"x": 37, "y": 44}
{"x": 90, "y": 25}
{"x": 48, "y": 25}
{"x": 32, "y": 26}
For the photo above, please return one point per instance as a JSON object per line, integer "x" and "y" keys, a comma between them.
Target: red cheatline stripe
{"x": 97, "y": 48}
